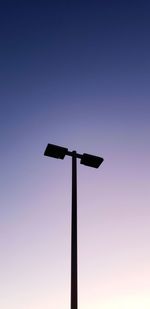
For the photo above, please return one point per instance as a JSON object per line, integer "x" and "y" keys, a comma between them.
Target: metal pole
{"x": 74, "y": 287}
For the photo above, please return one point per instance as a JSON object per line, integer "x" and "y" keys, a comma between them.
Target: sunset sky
{"x": 75, "y": 74}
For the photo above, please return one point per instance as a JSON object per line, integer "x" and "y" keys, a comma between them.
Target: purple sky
{"x": 75, "y": 74}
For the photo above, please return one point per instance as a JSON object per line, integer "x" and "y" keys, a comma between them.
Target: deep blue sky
{"x": 74, "y": 73}
{"x": 57, "y": 56}
{"x": 62, "y": 48}
{"x": 63, "y": 63}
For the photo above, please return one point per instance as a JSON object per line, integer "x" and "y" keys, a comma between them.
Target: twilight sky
{"x": 76, "y": 74}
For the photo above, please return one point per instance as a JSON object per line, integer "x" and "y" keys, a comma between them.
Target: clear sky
{"x": 76, "y": 74}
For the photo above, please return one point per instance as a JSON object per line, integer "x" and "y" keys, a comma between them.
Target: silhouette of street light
{"x": 58, "y": 152}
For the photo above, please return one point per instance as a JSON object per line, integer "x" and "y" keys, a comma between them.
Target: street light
{"x": 88, "y": 160}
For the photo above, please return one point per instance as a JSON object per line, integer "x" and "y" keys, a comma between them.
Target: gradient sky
{"x": 76, "y": 74}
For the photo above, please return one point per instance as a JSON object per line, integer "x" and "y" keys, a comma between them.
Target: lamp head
{"x": 90, "y": 160}
{"x": 55, "y": 151}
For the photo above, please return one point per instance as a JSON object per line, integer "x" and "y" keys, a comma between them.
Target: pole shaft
{"x": 74, "y": 287}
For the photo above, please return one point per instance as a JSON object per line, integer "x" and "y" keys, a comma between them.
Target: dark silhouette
{"x": 74, "y": 266}
{"x": 89, "y": 160}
